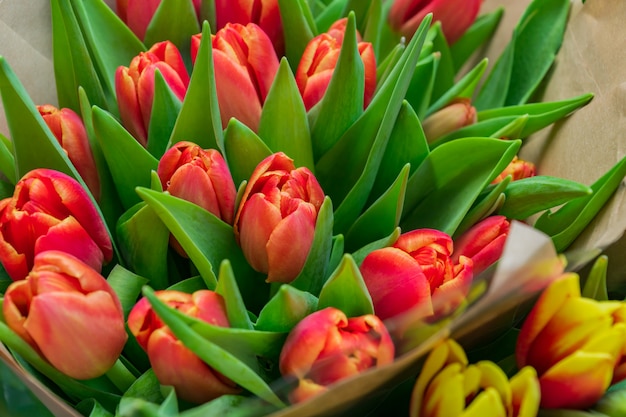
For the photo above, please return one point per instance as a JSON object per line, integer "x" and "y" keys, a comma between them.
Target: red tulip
{"x": 456, "y": 16}
{"x": 67, "y": 312}
{"x": 326, "y": 347}
{"x": 319, "y": 60}
{"x": 50, "y": 211}
{"x": 173, "y": 363}
{"x": 416, "y": 274}
{"x": 134, "y": 86}
{"x": 69, "y": 130}
{"x": 576, "y": 344}
{"x": 245, "y": 68}
{"x": 483, "y": 243}
{"x": 137, "y": 14}
{"x": 275, "y": 221}
{"x": 264, "y": 13}
{"x": 517, "y": 169}
{"x": 454, "y": 116}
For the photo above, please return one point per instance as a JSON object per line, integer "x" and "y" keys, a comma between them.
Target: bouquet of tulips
{"x": 299, "y": 207}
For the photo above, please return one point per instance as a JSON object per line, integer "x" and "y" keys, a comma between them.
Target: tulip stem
{"x": 121, "y": 377}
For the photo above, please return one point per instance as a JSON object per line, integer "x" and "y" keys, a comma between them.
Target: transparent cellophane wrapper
{"x": 582, "y": 148}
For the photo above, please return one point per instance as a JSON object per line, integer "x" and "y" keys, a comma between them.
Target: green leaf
{"x": 144, "y": 241}
{"x": 463, "y": 88}
{"x": 17, "y": 399}
{"x": 190, "y": 285}
{"x": 361, "y": 253}
{"x": 315, "y": 270}
{"x": 165, "y": 109}
{"x": 131, "y": 170}
{"x": 508, "y": 126}
{"x": 352, "y": 206}
{"x": 528, "y": 196}
{"x": 6, "y": 189}
{"x": 243, "y": 149}
{"x": 101, "y": 28}
{"x": 174, "y": 21}
{"x": 329, "y": 15}
{"x": 284, "y": 126}
{"x": 199, "y": 118}
{"x": 444, "y": 80}
{"x": 298, "y": 28}
{"x": 481, "y": 30}
{"x": 445, "y": 186}
{"x": 127, "y": 286}
{"x": 420, "y": 89}
{"x": 488, "y": 202}
{"x": 407, "y": 145}
{"x": 7, "y": 160}
{"x": 342, "y": 103}
{"x": 73, "y": 65}
{"x": 92, "y": 408}
{"x": 285, "y": 309}
{"x": 493, "y": 91}
{"x": 228, "y": 289}
{"x": 374, "y": 24}
{"x": 146, "y": 387}
{"x": 595, "y": 285}
{"x": 346, "y": 290}
{"x": 569, "y": 221}
{"x": 539, "y": 115}
{"x": 382, "y": 217}
{"x": 193, "y": 334}
{"x": 207, "y": 241}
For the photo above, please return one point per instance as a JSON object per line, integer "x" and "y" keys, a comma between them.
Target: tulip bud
{"x": 245, "y": 67}
{"x": 137, "y": 14}
{"x": 134, "y": 86}
{"x": 173, "y": 363}
{"x": 68, "y": 128}
{"x": 275, "y": 221}
{"x": 318, "y": 62}
{"x": 68, "y": 313}
{"x": 517, "y": 169}
{"x": 483, "y": 243}
{"x": 50, "y": 210}
{"x": 263, "y": 13}
{"x": 448, "y": 386}
{"x": 454, "y": 116}
{"x": 574, "y": 343}
{"x": 326, "y": 347}
{"x": 416, "y": 274}
{"x": 456, "y": 16}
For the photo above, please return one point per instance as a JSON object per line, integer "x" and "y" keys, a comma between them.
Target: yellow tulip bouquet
{"x": 298, "y": 207}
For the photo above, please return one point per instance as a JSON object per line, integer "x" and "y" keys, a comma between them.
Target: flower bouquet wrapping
{"x": 312, "y": 208}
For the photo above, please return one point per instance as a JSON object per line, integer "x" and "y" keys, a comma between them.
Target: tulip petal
{"x": 444, "y": 395}
{"x": 526, "y": 393}
{"x": 259, "y": 218}
{"x": 487, "y": 403}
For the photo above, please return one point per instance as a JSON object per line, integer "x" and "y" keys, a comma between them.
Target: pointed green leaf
{"x": 342, "y": 103}
{"x": 382, "y": 217}
{"x": 144, "y": 241}
{"x": 228, "y": 289}
{"x": 481, "y": 30}
{"x": 329, "y": 15}
{"x": 175, "y": 21}
{"x": 199, "y": 118}
{"x": 298, "y": 28}
{"x": 464, "y": 88}
{"x": 492, "y": 94}
{"x": 336, "y": 252}
{"x": 127, "y": 286}
{"x": 569, "y": 221}
{"x": 346, "y": 290}
{"x": 361, "y": 253}
{"x": 285, "y": 309}
{"x": 407, "y": 144}
{"x": 219, "y": 358}
{"x": 420, "y": 90}
{"x": 353, "y": 204}
{"x": 92, "y": 408}
{"x": 529, "y": 196}
{"x": 207, "y": 241}
{"x": 488, "y": 202}
{"x": 507, "y": 126}
{"x": 445, "y": 186}
{"x": 539, "y": 115}
{"x": 190, "y": 285}
{"x": 165, "y": 109}
{"x": 133, "y": 169}
{"x": 595, "y": 285}
{"x": 361, "y": 10}
{"x": 374, "y": 23}
{"x": 444, "y": 80}
{"x": 7, "y": 160}
{"x": 243, "y": 149}
{"x": 111, "y": 43}
{"x": 73, "y": 65}
{"x": 284, "y": 126}
{"x": 315, "y": 269}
